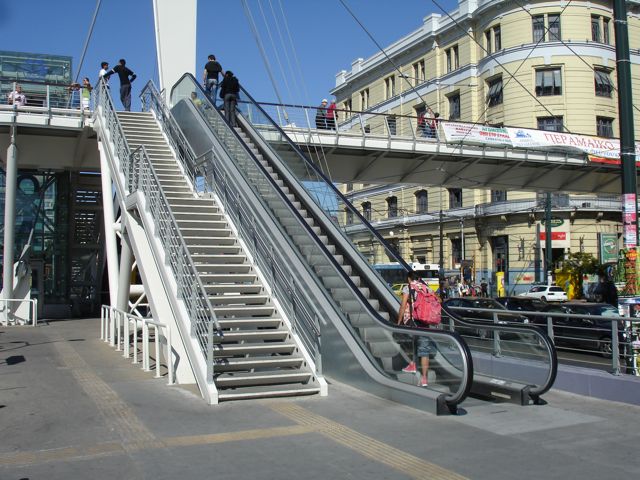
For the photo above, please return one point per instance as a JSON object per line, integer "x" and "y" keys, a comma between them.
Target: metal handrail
{"x": 114, "y": 329}
{"x": 139, "y": 173}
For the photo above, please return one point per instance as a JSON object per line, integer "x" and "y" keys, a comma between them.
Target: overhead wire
{"x": 570, "y": 48}
{"x": 512, "y": 75}
{"x": 87, "y": 40}
{"x": 457, "y": 24}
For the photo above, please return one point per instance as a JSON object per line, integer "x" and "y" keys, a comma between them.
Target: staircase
{"x": 258, "y": 355}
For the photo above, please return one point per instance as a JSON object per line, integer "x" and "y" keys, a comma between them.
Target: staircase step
{"x": 277, "y": 377}
{"x": 254, "y": 336}
{"x": 224, "y": 350}
{"x": 250, "y": 322}
{"x": 227, "y": 278}
{"x": 244, "y": 311}
{"x": 266, "y": 392}
{"x": 202, "y": 225}
{"x": 234, "y": 288}
{"x": 197, "y": 250}
{"x": 196, "y": 233}
{"x": 238, "y": 299}
{"x": 199, "y": 216}
{"x": 224, "y": 268}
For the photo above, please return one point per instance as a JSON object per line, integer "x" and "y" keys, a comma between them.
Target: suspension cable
{"x": 88, "y": 39}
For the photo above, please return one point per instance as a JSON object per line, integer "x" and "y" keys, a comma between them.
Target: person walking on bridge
{"x": 321, "y": 115}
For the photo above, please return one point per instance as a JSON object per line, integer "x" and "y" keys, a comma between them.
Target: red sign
{"x": 554, "y": 236}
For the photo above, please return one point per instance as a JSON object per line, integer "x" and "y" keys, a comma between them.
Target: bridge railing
{"x": 44, "y": 97}
{"x": 320, "y": 122}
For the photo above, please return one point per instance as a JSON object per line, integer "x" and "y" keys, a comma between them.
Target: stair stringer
{"x": 167, "y": 308}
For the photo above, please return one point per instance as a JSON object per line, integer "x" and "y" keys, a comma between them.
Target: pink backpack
{"x": 426, "y": 305}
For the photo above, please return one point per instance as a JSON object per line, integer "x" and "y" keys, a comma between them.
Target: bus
{"x": 396, "y": 276}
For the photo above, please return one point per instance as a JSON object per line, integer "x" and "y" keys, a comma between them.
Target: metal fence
{"x": 44, "y": 97}
{"x": 603, "y": 342}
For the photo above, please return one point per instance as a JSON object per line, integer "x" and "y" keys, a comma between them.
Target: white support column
{"x": 9, "y": 223}
{"x": 109, "y": 221}
{"x": 124, "y": 282}
{"x": 175, "y": 24}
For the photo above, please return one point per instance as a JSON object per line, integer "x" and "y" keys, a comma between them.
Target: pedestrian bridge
{"x": 368, "y": 151}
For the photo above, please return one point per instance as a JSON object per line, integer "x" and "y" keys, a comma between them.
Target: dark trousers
{"x": 125, "y": 96}
{"x": 230, "y": 102}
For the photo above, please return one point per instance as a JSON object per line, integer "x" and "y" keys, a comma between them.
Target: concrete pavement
{"x": 73, "y": 408}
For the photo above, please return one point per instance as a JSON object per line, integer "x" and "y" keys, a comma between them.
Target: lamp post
{"x": 441, "y": 261}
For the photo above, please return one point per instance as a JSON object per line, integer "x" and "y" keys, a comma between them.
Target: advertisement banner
{"x": 472, "y": 133}
{"x": 560, "y": 233}
{"x": 599, "y": 149}
{"x": 608, "y": 247}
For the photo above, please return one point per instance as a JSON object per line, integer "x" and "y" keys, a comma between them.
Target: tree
{"x": 577, "y": 265}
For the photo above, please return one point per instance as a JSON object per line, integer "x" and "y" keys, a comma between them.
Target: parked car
{"x": 488, "y": 303}
{"x": 587, "y": 333}
{"x": 526, "y": 304}
{"x": 546, "y": 293}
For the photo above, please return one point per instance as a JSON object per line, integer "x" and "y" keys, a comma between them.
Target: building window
{"x": 421, "y": 201}
{"x": 497, "y": 38}
{"x": 487, "y": 41}
{"x": 456, "y": 252}
{"x": 364, "y": 99}
{"x": 494, "y": 97}
{"x": 595, "y": 29}
{"x": 349, "y": 214}
{"x": 419, "y": 73}
{"x": 555, "y": 35}
{"x": 392, "y": 207}
{"x": 347, "y": 107}
{"x": 605, "y": 31}
{"x": 603, "y": 84}
{"x": 538, "y": 28}
{"x": 453, "y": 60}
{"x": 389, "y": 87}
{"x": 366, "y": 211}
{"x": 391, "y": 124}
{"x": 455, "y": 197}
{"x": 604, "y": 127}
{"x": 548, "y": 82}
{"x": 454, "y": 107}
{"x": 551, "y": 124}
{"x": 498, "y": 195}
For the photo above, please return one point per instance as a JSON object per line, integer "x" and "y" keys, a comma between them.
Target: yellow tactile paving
{"x": 403, "y": 462}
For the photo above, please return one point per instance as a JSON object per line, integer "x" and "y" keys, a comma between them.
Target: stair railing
{"x": 139, "y": 175}
{"x": 286, "y": 289}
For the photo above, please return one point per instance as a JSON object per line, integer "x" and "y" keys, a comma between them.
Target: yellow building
{"x": 541, "y": 65}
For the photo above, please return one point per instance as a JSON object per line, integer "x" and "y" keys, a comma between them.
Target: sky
{"x": 326, "y": 39}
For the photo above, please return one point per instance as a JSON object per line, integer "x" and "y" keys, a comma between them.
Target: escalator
{"x": 297, "y": 195}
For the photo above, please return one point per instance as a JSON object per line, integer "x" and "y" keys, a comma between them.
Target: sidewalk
{"x": 73, "y": 408}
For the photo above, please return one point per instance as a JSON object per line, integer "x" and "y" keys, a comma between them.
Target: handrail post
{"x": 210, "y": 352}
{"x": 550, "y": 327}
{"x": 497, "y": 351}
{"x": 118, "y": 327}
{"x": 125, "y": 339}
{"x": 169, "y": 356}
{"x": 145, "y": 346}
{"x": 615, "y": 347}
{"x": 156, "y": 334}
{"x": 135, "y": 341}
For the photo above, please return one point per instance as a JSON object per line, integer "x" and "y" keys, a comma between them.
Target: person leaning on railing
{"x": 17, "y": 98}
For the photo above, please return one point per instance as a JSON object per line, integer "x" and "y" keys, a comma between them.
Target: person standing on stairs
{"x": 210, "y": 77}
{"x": 126, "y": 77}
{"x": 229, "y": 90}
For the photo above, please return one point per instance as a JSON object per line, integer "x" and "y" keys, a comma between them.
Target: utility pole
{"x": 548, "y": 257}
{"x": 627, "y": 140}
{"x": 441, "y": 262}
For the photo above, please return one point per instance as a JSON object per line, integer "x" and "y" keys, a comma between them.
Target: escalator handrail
{"x": 536, "y": 390}
{"x": 463, "y": 347}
